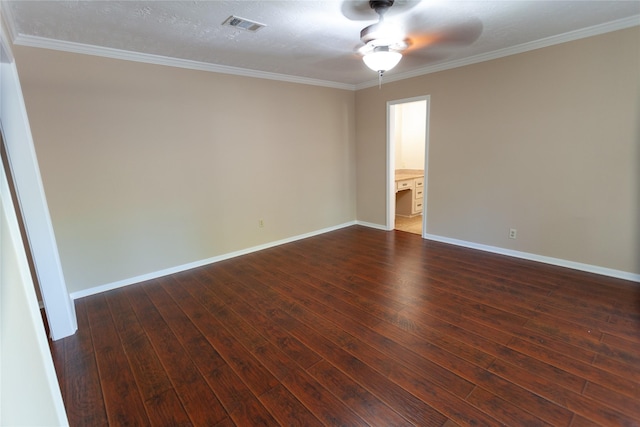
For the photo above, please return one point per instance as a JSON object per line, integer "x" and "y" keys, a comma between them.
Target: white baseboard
{"x": 493, "y": 249}
{"x": 372, "y": 225}
{"x": 178, "y": 269}
{"x": 539, "y": 258}
{"x": 625, "y": 275}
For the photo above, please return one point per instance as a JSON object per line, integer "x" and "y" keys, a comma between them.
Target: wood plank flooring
{"x": 358, "y": 327}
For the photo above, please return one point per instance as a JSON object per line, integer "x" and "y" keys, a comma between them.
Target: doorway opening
{"x": 407, "y": 164}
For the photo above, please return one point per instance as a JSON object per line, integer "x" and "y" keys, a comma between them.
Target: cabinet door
{"x": 406, "y": 184}
{"x": 417, "y": 206}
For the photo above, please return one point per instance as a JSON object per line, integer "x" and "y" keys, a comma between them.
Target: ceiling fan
{"x": 422, "y": 34}
{"x": 383, "y": 41}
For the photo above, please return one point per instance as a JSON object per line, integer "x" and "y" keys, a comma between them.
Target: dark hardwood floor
{"x": 358, "y": 327}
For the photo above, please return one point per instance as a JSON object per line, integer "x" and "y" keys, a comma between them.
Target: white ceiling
{"x": 309, "y": 41}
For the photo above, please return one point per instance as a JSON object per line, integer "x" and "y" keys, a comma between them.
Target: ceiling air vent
{"x": 245, "y": 24}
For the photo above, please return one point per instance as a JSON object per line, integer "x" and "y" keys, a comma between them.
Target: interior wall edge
{"x": 31, "y": 199}
{"x": 374, "y": 225}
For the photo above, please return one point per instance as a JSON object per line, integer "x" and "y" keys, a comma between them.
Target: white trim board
{"x": 372, "y": 225}
{"x": 65, "y": 46}
{"x": 24, "y": 168}
{"x": 618, "y": 274}
{"x": 539, "y": 258}
{"x": 595, "y": 30}
{"x": 523, "y": 255}
{"x": 157, "y": 274}
{"x": 125, "y": 55}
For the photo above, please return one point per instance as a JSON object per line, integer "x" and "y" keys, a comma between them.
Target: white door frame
{"x": 391, "y": 161}
{"x": 24, "y": 167}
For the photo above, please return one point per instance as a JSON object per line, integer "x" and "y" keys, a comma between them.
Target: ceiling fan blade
{"x": 427, "y": 31}
{"x": 360, "y": 10}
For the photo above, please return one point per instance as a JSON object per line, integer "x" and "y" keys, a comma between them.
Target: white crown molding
{"x": 72, "y": 47}
{"x": 46, "y": 43}
{"x": 608, "y": 27}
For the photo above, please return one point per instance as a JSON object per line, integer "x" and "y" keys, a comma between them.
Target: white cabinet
{"x": 409, "y": 196}
{"x": 405, "y": 184}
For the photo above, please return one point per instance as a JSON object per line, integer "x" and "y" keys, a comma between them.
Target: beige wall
{"x": 546, "y": 142}
{"x": 409, "y": 134}
{"x": 147, "y": 167}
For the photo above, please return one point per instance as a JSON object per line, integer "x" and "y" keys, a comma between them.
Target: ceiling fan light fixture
{"x": 382, "y": 59}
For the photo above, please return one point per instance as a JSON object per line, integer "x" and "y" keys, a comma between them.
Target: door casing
{"x": 391, "y": 161}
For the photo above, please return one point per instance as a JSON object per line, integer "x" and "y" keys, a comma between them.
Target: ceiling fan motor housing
{"x": 381, "y": 33}
{"x": 380, "y": 6}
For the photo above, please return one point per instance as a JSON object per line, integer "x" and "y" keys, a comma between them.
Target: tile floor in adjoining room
{"x": 410, "y": 225}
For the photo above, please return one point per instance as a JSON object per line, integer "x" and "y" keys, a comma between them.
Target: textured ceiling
{"x": 315, "y": 40}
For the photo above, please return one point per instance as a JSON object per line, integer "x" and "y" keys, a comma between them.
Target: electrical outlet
{"x": 261, "y": 223}
{"x": 513, "y": 233}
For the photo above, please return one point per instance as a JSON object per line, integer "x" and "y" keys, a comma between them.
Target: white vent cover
{"x": 245, "y": 24}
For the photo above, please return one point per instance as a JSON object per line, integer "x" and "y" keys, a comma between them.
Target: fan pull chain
{"x": 380, "y": 79}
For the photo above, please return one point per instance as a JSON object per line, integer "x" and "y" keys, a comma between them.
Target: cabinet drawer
{"x": 419, "y": 182}
{"x": 417, "y": 205}
{"x": 406, "y": 184}
{"x": 418, "y": 192}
